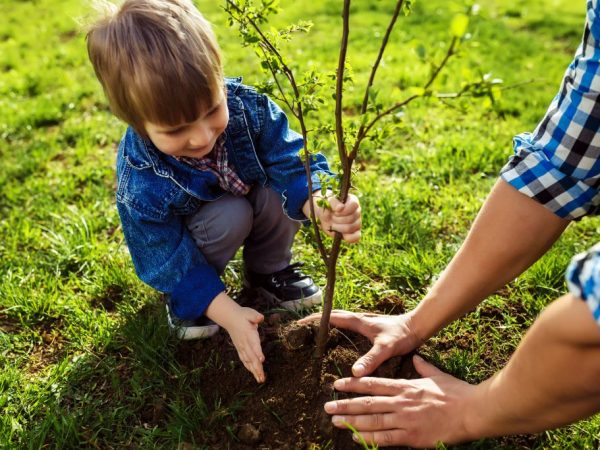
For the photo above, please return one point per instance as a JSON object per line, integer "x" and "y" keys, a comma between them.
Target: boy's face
{"x": 195, "y": 139}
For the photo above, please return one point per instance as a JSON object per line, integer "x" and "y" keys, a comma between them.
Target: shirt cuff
{"x": 195, "y": 292}
{"x": 583, "y": 279}
{"x": 532, "y": 173}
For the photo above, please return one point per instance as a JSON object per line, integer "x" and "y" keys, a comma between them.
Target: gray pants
{"x": 256, "y": 221}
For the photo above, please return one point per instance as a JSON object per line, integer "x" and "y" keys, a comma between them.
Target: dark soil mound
{"x": 286, "y": 412}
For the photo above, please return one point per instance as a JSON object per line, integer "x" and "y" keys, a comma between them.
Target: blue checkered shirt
{"x": 558, "y": 164}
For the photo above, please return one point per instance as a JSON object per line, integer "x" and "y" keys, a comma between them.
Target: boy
{"x": 207, "y": 165}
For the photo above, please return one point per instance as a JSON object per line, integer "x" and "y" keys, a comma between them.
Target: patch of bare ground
{"x": 286, "y": 412}
{"x": 49, "y": 348}
{"x": 390, "y": 304}
{"x": 8, "y": 324}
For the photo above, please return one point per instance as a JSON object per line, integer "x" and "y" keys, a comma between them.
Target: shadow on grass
{"x": 131, "y": 393}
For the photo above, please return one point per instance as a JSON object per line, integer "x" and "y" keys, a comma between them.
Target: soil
{"x": 286, "y": 412}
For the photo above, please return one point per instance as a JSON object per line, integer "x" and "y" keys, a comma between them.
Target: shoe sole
{"x": 193, "y": 332}
{"x": 292, "y": 305}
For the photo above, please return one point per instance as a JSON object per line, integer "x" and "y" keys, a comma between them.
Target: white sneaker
{"x": 201, "y": 328}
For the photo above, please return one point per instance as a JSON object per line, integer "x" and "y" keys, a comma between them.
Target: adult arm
{"x": 510, "y": 233}
{"x": 551, "y": 380}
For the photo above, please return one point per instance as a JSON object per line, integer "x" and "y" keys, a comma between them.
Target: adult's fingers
{"x": 371, "y": 360}
{"x": 347, "y": 320}
{"x": 384, "y": 438}
{"x": 311, "y": 318}
{"x": 367, "y": 422}
{"x": 360, "y": 405}
{"x": 369, "y": 385}
{"x": 339, "y": 318}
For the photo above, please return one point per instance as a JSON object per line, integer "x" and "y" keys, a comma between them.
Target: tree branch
{"x": 345, "y": 187}
{"x": 339, "y": 89}
{"x": 364, "y": 130}
{"x": 384, "y": 42}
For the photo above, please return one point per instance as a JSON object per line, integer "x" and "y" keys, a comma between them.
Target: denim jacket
{"x": 155, "y": 192}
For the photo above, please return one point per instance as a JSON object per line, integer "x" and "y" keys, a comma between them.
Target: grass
{"x": 86, "y": 359}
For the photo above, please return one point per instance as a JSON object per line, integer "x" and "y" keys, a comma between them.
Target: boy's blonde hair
{"x": 157, "y": 60}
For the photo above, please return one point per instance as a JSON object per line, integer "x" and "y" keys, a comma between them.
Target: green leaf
{"x": 415, "y": 90}
{"x": 459, "y": 24}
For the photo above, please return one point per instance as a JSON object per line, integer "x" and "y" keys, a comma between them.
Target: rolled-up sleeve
{"x": 558, "y": 164}
{"x": 583, "y": 279}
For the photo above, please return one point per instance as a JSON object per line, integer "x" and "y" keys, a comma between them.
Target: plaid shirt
{"x": 218, "y": 165}
{"x": 583, "y": 279}
{"x": 558, "y": 164}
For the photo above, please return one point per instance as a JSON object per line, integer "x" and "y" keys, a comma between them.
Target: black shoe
{"x": 201, "y": 328}
{"x": 288, "y": 288}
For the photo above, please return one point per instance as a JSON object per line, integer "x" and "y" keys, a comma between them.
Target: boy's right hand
{"x": 242, "y": 325}
{"x": 243, "y": 330}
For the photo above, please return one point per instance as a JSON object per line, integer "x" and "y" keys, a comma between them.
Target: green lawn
{"x": 85, "y": 355}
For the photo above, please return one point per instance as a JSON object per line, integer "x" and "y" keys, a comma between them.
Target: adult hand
{"x": 390, "y": 336}
{"x": 417, "y": 413}
{"x": 243, "y": 330}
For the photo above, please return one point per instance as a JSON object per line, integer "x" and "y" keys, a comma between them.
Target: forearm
{"x": 509, "y": 234}
{"x": 551, "y": 380}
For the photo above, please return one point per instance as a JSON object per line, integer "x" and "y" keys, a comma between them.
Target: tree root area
{"x": 285, "y": 412}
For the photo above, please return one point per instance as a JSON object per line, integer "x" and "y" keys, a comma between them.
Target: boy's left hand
{"x": 344, "y": 218}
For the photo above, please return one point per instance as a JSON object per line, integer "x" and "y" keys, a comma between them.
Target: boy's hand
{"x": 344, "y": 218}
{"x": 243, "y": 330}
{"x": 242, "y": 325}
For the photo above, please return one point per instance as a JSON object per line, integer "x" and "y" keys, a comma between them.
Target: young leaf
{"x": 459, "y": 24}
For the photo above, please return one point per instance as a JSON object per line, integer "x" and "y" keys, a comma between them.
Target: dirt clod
{"x": 248, "y": 434}
{"x": 296, "y": 336}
